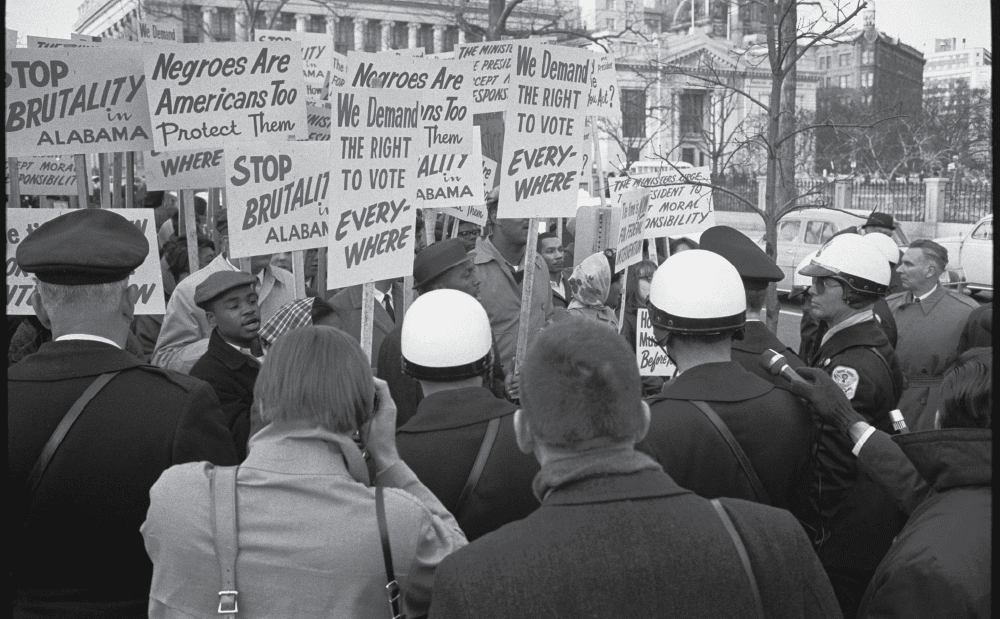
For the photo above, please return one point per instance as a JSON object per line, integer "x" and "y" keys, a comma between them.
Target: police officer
{"x": 756, "y": 270}
{"x": 859, "y": 520}
{"x": 714, "y": 409}
{"x": 90, "y": 427}
{"x": 460, "y": 442}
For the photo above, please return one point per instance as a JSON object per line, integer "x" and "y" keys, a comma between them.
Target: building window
{"x": 609, "y": 24}
{"x": 192, "y": 24}
{"x": 285, "y": 21}
{"x": 633, "y": 104}
{"x": 450, "y": 38}
{"x": 425, "y": 38}
{"x": 225, "y": 25}
{"x": 845, "y": 59}
{"x": 866, "y": 79}
{"x": 373, "y": 35}
{"x": 260, "y": 21}
{"x": 687, "y": 155}
{"x": 343, "y": 37}
{"x": 317, "y": 24}
{"x": 868, "y": 56}
{"x": 829, "y": 81}
{"x": 632, "y": 154}
{"x": 400, "y": 35}
{"x": 842, "y": 81}
{"x": 609, "y": 5}
{"x": 692, "y": 112}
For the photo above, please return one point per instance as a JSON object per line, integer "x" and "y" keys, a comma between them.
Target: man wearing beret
{"x": 757, "y": 271}
{"x": 229, "y": 299}
{"x": 444, "y": 265}
{"x": 91, "y": 428}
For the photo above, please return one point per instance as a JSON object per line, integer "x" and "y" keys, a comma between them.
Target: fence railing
{"x": 967, "y": 202}
{"x": 723, "y": 201}
{"x": 904, "y": 201}
{"x": 814, "y": 192}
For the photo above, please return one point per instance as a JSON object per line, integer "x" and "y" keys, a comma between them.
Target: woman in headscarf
{"x": 590, "y": 284}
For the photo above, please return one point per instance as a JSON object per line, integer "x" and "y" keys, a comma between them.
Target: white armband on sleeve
{"x": 861, "y": 441}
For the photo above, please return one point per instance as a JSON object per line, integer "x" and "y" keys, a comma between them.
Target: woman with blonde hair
{"x": 296, "y": 533}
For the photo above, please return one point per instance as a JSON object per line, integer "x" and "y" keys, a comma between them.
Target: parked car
{"x": 971, "y": 256}
{"x": 804, "y": 231}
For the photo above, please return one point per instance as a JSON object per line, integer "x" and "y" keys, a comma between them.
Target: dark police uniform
{"x": 771, "y": 425}
{"x": 76, "y": 550}
{"x": 757, "y": 338}
{"x": 859, "y": 519}
{"x": 440, "y": 444}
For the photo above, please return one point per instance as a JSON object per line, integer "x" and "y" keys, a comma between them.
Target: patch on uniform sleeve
{"x": 847, "y": 379}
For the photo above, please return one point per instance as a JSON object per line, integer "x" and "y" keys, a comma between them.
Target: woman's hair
{"x": 316, "y": 374}
{"x": 967, "y": 391}
{"x": 320, "y": 310}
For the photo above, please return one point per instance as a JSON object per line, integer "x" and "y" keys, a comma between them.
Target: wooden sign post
{"x": 82, "y": 192}
{"x": 189, "y": 225}
{"x": 14, "y": 201}
{"x": 527, "y": 286}
{"x": 299, "y": 270}
{"x": 320, "y": 282}
{"x": 116, "y": 181}
{"x": 102, "y": 167}
{"x": 130, "y": 180}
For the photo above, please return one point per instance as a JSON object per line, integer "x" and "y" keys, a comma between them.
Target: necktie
{"x": 387, "y": 302}
{"x": 255, "y": 348}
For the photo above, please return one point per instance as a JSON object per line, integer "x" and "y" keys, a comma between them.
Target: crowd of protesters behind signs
{"x": 242, "y": 455}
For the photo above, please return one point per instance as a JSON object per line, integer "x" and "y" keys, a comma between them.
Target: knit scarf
{"x": 614, "y": 460}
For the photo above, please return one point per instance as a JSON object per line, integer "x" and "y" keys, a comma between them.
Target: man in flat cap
{"x": 90, "y": 427}
{"x": 444, "y": 265}
{"x": 231, "y": 364}
{"x": 929, "y": 323}
{"x": 757, "y": 271}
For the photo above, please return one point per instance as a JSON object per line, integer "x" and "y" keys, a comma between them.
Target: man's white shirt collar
{"x": 88, "y": 337}
{"x": 927, "y": 294}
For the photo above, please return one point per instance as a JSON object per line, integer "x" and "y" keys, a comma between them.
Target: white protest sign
{"x": 276, "y": 195}
{"x": 492, "y": 63}
{"x": 204, "y": 95}
{"x": 85, "y": 100}
{"x": 652, "y": 359}
{"x": 489, "y": 172}
{"x": 41, "y": 176}
{"x": 474, "y": 211}
{"x": 36, "y": 42}
{"x": 540, "y": 166}
{"x": 11, "y": 41}
{"x": 676, "y": 206}
{"x": 317, "y": 58}
{"x": 184, "y": 169}
{"x": 374, "y": 168}
{"x": 412, "y": 52}
{"x": 604, "y": 95}
{"x": 151, "y": 32}
{"x": 318, "y": 117}
{"x": 148, "y": 278}
{"x": 633, "y": 204}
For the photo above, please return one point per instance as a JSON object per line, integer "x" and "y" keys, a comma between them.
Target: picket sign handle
{"x": 116, "y": 180}
{"x": 13, "y": 174}
{"x": 523, "y": 330}
{"x": 190, "y": 226}
{"x": 622, "y": 299}
{"x": 367, "y": 316}
{"x": 408, "y": 295}
{"x": 454, "y": 227}
{"x": 299, "y": 270}
{"x": 213, "y": 208}
{"x": 102, "y": 166}
{"x": 601, "y": 183}
{"x": 559, "y": 230}
{"x": 82, "y": 192}
{"x": 430, "y": 225}
{"x": 130, "y": 180}
{"x": 245, "y": 265}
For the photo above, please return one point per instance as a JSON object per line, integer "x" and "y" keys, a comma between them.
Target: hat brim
{"x": 798, "y": 291}
{"x": 815, "y": 270}
{"x": 431, "y": 278}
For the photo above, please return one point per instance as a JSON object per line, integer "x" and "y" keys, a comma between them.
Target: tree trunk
{"x": 494, "y": 30}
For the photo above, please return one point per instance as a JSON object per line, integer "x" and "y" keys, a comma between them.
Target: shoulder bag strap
{"x": 390, "y": 574}
{"x": 49, "y": 450}
{"x": 225, "y": 535}
{"x": 741, "y": 456}
{"x": 744, "y": 557}
{"x": 477, "y": 469}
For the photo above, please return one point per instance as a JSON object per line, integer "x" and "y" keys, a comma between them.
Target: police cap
{"x": 437, "y": 258}
{"x": 219, "y": 283}
{"x": 755, "y": 268}
{"x": 83, "y": 247}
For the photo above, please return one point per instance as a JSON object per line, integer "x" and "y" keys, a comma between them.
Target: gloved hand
{"x": 826, "y": 398}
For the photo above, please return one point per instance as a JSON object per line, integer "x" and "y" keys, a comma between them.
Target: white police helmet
{"x": 855, "y": 261}
{"x": 446, "y": 336}
{"x": 885, "y": 245}
{"x": 697, "y": 292}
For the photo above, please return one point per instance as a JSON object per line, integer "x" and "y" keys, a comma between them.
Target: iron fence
{"x": 967, "y": 202}
{"x": 904, "y": 201}
{"x": 746, "y": 189}
{"x": 814, "y": 192}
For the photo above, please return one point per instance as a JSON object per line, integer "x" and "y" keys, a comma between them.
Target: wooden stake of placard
{"x": 116, "y": 181}
{"x": 13, "y": 174}
{"x": 130, "y": 180}
{"x": 454, "y": 227}
{"x": 559, "y": 229}
{"x": 368, "y": 316}
{"x": 430, "y": 225}
{"x": 299, "y": 271}
{"x": 102, "y": 166}
{"x": 320, "y": 282}
{"x": 528, "y": 283}
{"x": 245, "y": 265}
{"x": 213, "y": 208}
{"x": 622, "y": 298}
{"x": 191, "y": 231}
{"x": 82, "y": 192}
{"x": 601, "y": 183}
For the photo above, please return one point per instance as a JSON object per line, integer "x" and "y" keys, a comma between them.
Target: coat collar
{"x": 381, "y": 317}
{"x": 303, "y": 448}
{"x": 724, "y": 381}
{"x": 927, "y": 305}
{"x": 757, "y": 338}
{"x": 952, "y": 457}
{"x": 72, "y": 359}
{"x": 224, "y": 352}
{"x": 608, "y": 488}
{"x": 867, "y": 333}
{"x": 456, "y": 408}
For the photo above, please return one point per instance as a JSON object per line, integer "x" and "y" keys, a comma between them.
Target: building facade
{"x": 953, "y": 67}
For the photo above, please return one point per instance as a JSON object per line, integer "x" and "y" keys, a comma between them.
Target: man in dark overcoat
{"x": 76, "y": 549}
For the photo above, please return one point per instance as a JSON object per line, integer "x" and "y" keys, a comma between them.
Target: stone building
{"x": 953, "y": 66}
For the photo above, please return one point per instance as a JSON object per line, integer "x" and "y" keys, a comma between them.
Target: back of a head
{"x": 580, "y": 383}
{"x": 967, "y": 391}
{"x": 319, "y": 375}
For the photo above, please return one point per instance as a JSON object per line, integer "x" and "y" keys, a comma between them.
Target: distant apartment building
{"x": 953, "y": 67}
{"x": 722, "y": 19}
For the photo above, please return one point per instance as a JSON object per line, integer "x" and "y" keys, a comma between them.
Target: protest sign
{"x": 474, "y": 211}
{"x": 277, "y": 196}
{"x": 491, "y": 66}
{"x": 204, "y": 95}
{"x": 317, "y": 59}
{"x": 540, "y": 166}
{"x": 676, "y": 206}
{"x": 148, "y": 278}
{"x": 184, "y": 169}
{"x": 36, "y": 42}
{"x": 85, "y": 100}
{"x": 318, "y": 118}
{"x": 11, "y": 41}
{"x": 374, "y": 169}
{"x": 652, "y": 359}
{"x": 490, "y": 179}
{"x": 633, "y": 204}
{"x": 41, "y": 176}
{"x": 604, "y": 95}
{"x": 151, "y": 32}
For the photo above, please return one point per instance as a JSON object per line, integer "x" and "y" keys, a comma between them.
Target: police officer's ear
{"x": 522, "y": 432}
{"x": 35, "y": 300}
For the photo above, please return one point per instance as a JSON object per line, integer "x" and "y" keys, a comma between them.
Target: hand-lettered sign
{"x": 679, "y": 203}
{"x": 652, "y": 359}
{"x": 604, "y": 94}
{"x": 633, "y": 204}
{"x": 41, "y": 176}
{"x": 318, "y": 117}
{"x": 492, "y": 63}
{"x": 317, "y": 59}
{"x": 184, "y": 169}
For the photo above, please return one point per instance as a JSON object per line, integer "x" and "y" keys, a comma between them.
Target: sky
{"x": 915, "y": 22}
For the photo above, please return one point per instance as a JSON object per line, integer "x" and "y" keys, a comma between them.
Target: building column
{"x": 301, "y": 22}
{"x": 843, "y": 193}
{"x": 331, "y": 26}
{"x": 242, "y": 25}
{"x": 438, "y": 38}
{"x": 934, "y": 200}
{"x": 359, "y": 34}
{"x": 386, "y": 34}
{"x": 411, "y": 36}
{"x": 208, "y": 22}
{"x": 461, "y": 36}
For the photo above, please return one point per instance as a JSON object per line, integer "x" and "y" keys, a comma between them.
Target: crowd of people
{"x": 241, "y": 455}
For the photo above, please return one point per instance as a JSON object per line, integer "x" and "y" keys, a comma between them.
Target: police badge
{"x": 847, "y": 379}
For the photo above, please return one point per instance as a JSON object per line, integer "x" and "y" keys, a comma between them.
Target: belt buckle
{"x": 227, "y": 602}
